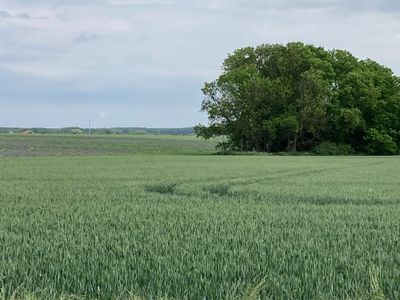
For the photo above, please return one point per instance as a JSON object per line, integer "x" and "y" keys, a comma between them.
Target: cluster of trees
{"x": 294, "y": 97}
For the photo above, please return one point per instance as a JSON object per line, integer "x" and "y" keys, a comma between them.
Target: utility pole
{"x": 90, "y": 127}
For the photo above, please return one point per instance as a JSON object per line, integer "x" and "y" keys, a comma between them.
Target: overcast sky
{"x": 143, "y": 62}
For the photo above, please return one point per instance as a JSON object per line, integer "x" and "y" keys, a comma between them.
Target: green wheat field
{"x": 151, "y": 217}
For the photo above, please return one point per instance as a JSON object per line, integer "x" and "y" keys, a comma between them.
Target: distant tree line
{"x": 114, "y": 130}
{"x": 299, "y": 97}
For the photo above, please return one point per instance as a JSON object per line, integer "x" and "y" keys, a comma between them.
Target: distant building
{"x": 26, "y": 131}
{"x": 76, "y": 131}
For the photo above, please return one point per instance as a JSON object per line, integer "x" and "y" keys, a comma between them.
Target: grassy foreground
{"x": 152, "y": 225}
{"x": 200, "y": 227}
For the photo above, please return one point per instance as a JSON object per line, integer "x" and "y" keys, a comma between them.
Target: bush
{"x": 329, "y": 148}
{"x": 381, "y": 143}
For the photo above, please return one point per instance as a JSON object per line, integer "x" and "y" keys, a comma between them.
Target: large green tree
{"x": 294, "y": 97}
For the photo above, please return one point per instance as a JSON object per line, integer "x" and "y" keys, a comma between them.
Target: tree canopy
{"x": 295, "y": 97}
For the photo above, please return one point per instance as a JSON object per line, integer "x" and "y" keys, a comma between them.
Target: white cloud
{"x": 41, "y": 72}
{"x": 108, "y": 45}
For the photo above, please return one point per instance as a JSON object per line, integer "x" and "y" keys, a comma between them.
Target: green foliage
{"x": 286, "y": 98}
{"x": 329, "y": 148}
{"x": 381, "y": 143}
{"x": 199, "y": 227}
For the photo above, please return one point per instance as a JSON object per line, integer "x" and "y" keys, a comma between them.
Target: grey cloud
{"x": 24, "y": 16}
{"x": 88, "y": 37}
{"x": 372, "y": 5}
{"x": 5, "y": 14}
{"x": 139, "y": 2}
{"x": 354, "y": 5}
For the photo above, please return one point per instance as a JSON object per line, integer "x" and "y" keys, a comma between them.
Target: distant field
{"x": 197, "y": 227}
{"x": 58, "y": 145}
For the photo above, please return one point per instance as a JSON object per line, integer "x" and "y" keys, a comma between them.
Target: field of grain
{"x": 17, "y": 145}
{"x": 199, "y": 227}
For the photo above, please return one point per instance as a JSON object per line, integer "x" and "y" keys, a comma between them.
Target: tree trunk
{"x": 294, "y": 148}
